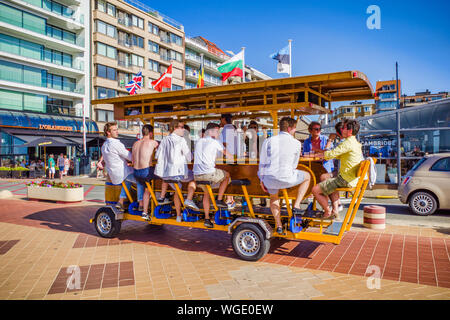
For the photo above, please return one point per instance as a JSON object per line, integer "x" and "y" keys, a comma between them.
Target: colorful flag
{"x": 135, "y": 84}
{"x": 201, "y": 77}
{"x": 165, "y": 81}
{"x": 283, "y": 59}
{"x": 232, "y": 67}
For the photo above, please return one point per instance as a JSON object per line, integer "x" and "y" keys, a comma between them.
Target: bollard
{"x": 374, "y": 217}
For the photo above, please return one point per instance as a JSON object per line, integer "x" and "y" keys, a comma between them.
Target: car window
{"x": 441, "y": 165}
{"x": 418, "y": 164}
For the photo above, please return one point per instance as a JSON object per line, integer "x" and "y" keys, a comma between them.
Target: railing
{"x": 156, "y": 14}
{"x": 124, "y": 21}
{"x": 125, "y": 43}
{"x": 123, "y": 63}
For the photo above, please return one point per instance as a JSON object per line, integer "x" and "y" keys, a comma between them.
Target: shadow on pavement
{"x": 76, "y": 219}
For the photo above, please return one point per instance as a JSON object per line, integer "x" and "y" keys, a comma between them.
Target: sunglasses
{"x": 315, "y": 129}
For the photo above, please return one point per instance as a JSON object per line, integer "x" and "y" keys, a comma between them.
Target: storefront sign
{"x": 49, "y": 127}
{"x": 379, "y": 143}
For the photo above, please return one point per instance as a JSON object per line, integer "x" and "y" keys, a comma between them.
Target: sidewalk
{"x": 41, "y": 244}
{"x": 86, "y": 180}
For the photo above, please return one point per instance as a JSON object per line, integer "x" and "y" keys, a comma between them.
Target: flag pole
{"x": 290, "y": 57}
{"x": 243, "y": 64}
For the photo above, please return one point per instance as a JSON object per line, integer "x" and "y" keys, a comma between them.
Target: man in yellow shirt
{"x": 349, "y": 152}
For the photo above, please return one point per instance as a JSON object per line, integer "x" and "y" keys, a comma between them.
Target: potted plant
{"x": 19, "y": 172}
{"x": 56, "y": 191}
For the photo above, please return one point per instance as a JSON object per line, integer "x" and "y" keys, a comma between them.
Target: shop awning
{"x": 47, "y": 142}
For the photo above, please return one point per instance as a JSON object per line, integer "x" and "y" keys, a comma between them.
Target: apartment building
{"x": 386, "y": 93}
{"x": 198, "y": 48}
{"x": 421, "y": 98}
{"x": 356, "y": 109}
{"x": 44, "y": 56}
{"x": 44, "y": 75}
{"x": 129, "y": 37}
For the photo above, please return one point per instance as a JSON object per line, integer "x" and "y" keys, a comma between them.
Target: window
{"x": 137, "y": 60}
{"x": 103, "y": 93}
{"x": 106, "y": 72}
{"x": 106, "y": 50}
{"x": 105, "y": 115}
{"x": 57, "y": 57}
{"x": 153, "y": 46}
{"x": 153, "y": 28}
{"x": 441, "y": 165}
{"x": 176, "y": 39}
{"x": 101, "y": 5}
{"x": 174, "y": 55}
{"x": 153, "y": 65}
{"x": 111, "y": 10}
{"x": 137, "y": 22}
{"x": 177, "y": 73}
{"x": 106, "y": 29}
{"x": 175, "y": 87}
{"x": 137, "y": 41}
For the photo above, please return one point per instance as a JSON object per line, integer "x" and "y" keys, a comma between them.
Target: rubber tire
{"x": 257, "y": 232}
{"x": 115, "y": 224}
{"x": 430, "y": 197}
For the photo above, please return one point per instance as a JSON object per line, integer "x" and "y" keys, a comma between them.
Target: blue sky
{"x": 329, "y": 36}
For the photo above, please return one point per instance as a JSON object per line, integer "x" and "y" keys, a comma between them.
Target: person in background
{"x": 318, "y": 142}
{"x": 32, "y": 168}
{"x": 66, "y": 165}
{"x": 51, "y": 167}
{"x": 100, "y": 167}
{"x": 60, "y": 162}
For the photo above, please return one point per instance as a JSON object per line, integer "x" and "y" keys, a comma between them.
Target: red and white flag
{"x": 165, "y": 81}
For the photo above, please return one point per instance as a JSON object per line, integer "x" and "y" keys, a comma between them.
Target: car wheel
{"x": 423, "y": 203}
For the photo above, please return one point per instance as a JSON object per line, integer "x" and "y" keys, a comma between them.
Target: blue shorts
{"x": 273, "y": 185}
{"x": 144, "y": 175}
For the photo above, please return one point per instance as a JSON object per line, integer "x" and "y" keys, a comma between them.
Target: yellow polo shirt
{"x": 349, "y": 152}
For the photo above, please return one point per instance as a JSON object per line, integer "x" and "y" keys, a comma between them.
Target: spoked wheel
{"x": 249, "y": 242}
{"x": 423, "y": 203}
{"x": 106, "y": 224}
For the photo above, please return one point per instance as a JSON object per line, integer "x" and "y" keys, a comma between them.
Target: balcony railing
{"x": 123, "y": 63}
{"x": 125, "y": 43}
{"x": 124, "y": 21}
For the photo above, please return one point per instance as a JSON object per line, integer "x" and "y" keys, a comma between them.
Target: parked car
{"x": 426, "y": 187}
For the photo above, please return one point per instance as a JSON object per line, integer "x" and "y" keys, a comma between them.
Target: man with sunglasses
{"x": 318, "y": 142}
{"x": 349, "y": 152}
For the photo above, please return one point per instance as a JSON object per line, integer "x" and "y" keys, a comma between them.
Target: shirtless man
{"x": 142, "y": 154}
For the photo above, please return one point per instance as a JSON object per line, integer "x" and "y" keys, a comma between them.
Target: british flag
{"x": 134, "y": 84}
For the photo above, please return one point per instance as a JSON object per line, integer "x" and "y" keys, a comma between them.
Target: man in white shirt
{"x": 228, "y": 137}
{"x": 279, "y": 158}
{"x": 206, "y": 151}
{"x": 173, "y": 156}
{"x": 116, "y": 158}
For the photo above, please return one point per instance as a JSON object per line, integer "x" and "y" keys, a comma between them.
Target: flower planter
{"x": 56, "y": 194}
{"x": 5, "y": 174}
{"x": 15, "y": 174}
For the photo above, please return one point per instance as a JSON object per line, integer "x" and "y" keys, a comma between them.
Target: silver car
{"x": 426, "y": 187}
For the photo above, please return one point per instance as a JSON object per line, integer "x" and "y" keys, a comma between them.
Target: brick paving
{"x": 40, "y": 242}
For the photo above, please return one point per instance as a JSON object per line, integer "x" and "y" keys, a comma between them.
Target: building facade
{"x": 129, "y": 37}
{"x": 386, "y": 93}
{"x": 355, "y": 110}
{"x": 44, "y": 67}
{"x": 421, "y": 98}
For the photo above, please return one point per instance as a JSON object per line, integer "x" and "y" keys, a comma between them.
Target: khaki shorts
{"x": 330, "y": 185}
{"x": 215, "y": 178}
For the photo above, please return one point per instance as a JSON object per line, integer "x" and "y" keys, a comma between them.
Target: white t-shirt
{"x": 279, "y": 156}
{"x": 116, "y": 155}
{"x": 229, "y": 136}
{"x": 206, "y": 150}
{"x": 173, "y": 154}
